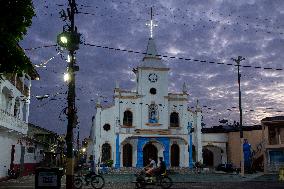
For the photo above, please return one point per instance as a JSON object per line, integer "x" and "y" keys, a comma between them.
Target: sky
{"x": 201, "y": 30}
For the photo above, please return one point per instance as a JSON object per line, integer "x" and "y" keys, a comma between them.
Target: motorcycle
{"x": 163, "y": 180}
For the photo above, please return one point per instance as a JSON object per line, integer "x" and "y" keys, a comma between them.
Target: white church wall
{"x": 138, "y": 103}
{"x": 102, "y": 136}
{"x": 218, "y": 140}
{"x": 144, "y": 87}
{"x": 6, "y": 141}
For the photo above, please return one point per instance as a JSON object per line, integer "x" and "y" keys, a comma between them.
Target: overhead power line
{"x": 182, "y": 58}
{"x": 40, "y": 47}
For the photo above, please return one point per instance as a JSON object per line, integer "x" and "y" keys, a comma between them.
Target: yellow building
{"x": 273, "y": 134}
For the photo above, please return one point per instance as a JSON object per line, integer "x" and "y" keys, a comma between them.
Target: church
{"x": 149, "y": 121}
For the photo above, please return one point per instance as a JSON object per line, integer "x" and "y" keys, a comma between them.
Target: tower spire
{"x": 151, "y": 24}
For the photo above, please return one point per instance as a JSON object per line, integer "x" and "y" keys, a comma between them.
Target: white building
{"x": 146, "y": 122}
{"x": 14, "y": 114}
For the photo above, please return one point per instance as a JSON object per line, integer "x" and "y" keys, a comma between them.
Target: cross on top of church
{"x": 151, "y": 24}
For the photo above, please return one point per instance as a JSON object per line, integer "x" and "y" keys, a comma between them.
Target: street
{"x": 204, "y": 181}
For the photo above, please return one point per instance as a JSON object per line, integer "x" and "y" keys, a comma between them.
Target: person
{"x": 92, "y": 164}
{"x": 92, "y": 167}
{"x": 161, "y": 167}
{"x": 151, "y": 166}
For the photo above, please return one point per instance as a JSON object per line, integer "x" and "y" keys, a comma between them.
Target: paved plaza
{"x": 202, "y": 181}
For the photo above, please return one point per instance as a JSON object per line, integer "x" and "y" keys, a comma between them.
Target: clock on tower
{"x": 153, "y": 77}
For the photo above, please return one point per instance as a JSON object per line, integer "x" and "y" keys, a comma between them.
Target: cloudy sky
{"x": 209, "y": 30}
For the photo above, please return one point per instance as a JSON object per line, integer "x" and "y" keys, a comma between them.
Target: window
{"x": 127, "y": 118}
{"x": 153, "y": 113}
{"x": 17, "y": 107}
{"x": 106, "y": 127}
{"x": 153, "y": 91}
{"x": 174, "y": 120}
{"x": 30, "y": 150}
{"x": 106, "y": 152}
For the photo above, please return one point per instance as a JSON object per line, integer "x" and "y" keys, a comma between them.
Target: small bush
{"x": 109, "y": 163}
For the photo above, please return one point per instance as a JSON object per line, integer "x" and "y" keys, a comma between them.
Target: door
{"x": 175, "y": 155}
{"x": 12, "y": 157}
{"x": 127, "y": 155}
{"x": 208, "y": 157}
{"x": 22, "y": 160}
{"x": 149, "y": 151}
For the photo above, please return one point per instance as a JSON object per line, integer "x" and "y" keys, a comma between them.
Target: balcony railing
{"x": 18, "y": 84}
{"x": 11, "y": 122}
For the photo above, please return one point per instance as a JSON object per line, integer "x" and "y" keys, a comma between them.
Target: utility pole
{"x": 238, "y": 61}
{"x": 70, "y": 40}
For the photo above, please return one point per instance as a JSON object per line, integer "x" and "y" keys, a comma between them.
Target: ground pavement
{"x": 182, "y": 181}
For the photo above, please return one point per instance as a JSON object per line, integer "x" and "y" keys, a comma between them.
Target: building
{"x": 148, "y": 121}
{"x": 14, "y": 114}
{"x": 273, "y": 151}
{"x": 47, "y": 147}
{"x": 221, "y": 144}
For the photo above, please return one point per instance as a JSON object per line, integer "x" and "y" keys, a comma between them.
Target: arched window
{"x": 174, "y": 119}
{"x": 153, "y": 113}
{"x": 17, "y": 107}
{"x": 106, "y": 152}
{"x": 127, "y": 118}
{"x": 6, "y": 99}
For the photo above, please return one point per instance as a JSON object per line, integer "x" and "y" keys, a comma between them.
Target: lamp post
{"x": 238, "y": 61}
{"x": 69, "y": 39}
{"x": 189, "y": 131}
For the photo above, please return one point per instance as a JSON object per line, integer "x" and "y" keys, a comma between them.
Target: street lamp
{"x": 189, "y": 131}
{"x": 66, "y": 77}
{"x": 63, "y": 39}
{"x": 69, "y": 40}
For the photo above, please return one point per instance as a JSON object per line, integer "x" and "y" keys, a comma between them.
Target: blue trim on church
{"x": 165, "y": 141}
{"x": 117, "y": 154}
{"x": 190, "y": 145}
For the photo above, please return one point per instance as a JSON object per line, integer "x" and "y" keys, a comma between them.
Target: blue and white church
{"x": 148, "y": 121}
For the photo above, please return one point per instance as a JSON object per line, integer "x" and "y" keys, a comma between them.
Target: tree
{"x": 16, "y": 16}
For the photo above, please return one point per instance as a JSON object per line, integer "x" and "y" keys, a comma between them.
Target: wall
{"x": 219, "y": 141}
{"x": 234, "y": 156}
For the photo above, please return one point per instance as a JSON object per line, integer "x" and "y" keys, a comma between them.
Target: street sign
{"x": 47, "y": 179}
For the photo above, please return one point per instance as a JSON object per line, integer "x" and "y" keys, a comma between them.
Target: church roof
{"x": 151, "y": 60}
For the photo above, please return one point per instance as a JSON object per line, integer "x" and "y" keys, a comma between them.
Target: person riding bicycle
{"x": 92, "y": 167}
{"x": 161, "y": 167}
{"x": 151, "y": 166}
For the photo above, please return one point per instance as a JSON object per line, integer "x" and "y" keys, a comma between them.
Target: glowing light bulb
{"x": 68, "y": 58}
{"x": 66, "y": 77}
{"x": 63, "y": 39}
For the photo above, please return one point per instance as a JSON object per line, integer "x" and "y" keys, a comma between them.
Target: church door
{"x": 106, "y": 152}
{"x": 208, "y": 157}
{"x": 127, "y": 155}
{"x": 149, "y": 151}
{"x": 174, "y": 155}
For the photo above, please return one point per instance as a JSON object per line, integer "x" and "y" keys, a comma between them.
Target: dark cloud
{"x": 204, "y": 30}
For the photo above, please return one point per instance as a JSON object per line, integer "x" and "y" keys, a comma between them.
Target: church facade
{"x": 148, "y": 122}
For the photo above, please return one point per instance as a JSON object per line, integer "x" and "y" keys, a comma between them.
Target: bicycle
{"x": 97, "y": 181}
